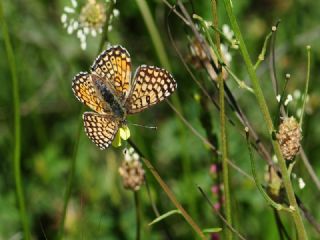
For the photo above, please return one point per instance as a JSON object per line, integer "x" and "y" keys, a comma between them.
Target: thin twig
{"x": 207, "y": 142}
{"x": 272, "y": 61}
{"x": 138, "y": 217}
{"x": 176, "y": 12}
{"x": 305, "y": 95}
{"x": 309, "y": 168}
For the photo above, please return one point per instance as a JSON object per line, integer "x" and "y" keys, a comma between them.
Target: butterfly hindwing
{"x": 151, "y": 85}
{"x": 101, "y": 129}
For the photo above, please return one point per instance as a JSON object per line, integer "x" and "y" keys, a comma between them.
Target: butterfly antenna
{"x": 144, "y": 126}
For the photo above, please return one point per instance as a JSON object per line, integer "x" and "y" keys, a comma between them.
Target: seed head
{"x": 289, "y": 137}
{"x": 131, "y": 170}
{"x": 93, "y": 15}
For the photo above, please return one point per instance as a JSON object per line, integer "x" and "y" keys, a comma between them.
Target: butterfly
{"x": 110, "y": 91}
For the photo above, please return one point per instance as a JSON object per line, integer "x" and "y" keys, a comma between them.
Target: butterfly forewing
{"x": 151, "y": 85}
{"x": 114, "y": 67}
{"x": 85, "y": 92}
{"x": 101, "y": 129}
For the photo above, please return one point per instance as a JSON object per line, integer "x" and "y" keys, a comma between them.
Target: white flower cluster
{"x": 130, "y": 155}
{"x": 301, "y": 182}
{"x": 229, "y": 34}
{"x": 296, "y": 97}
{"x": 88, "y": 19}
{"x": 131, "y": 170}
{"x": 287, "y": 101}
{"x": 226, "y": 54}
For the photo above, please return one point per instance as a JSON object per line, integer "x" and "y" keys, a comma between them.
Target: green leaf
{"x": 163, "y": 216}
{"x": 211, "y": 230}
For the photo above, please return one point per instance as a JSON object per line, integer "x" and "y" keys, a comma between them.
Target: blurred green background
{"x": 47, "y": 58}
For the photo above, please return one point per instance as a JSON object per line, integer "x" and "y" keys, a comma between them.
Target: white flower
{"x": 86, "y": 30}
{"x": 83, "y": 45}
{"x": 69, "y": 9}
{"x": 127, "y": 155}
{"x": 297, "y": 94}
{"x": 226, "y": 54}
{"x": 289, "y": 99}
{"x": 74, "y": 3}
{"x": 79, "y": 33}
{"x": 274, "y": 159}
{"x": 208, "y": 24}
{"x": 130, "y": 155}
{"x": 87, "y": 19}
{"x": 116, "y": 12}
{"x": 299, "y": 112}
{"x": 302, "y": 184}
{"x": 131, "y": 150}
{"x": 75, "y": 25}
{"x": 70, "y": 29}
{"x": 135, "y": 156}
{"x": 227, "y": 32}
{"x": 63, "y": 18}
{"x": 278, "y": 98}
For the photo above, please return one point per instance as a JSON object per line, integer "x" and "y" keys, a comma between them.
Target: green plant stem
{"x": 223, "y": 134}
{"x": 105, "y": 32}
{"x": 17, "y": 127}
{"x": 70, "y": 178}
{"x": 138, "y": 217}
{"x": 154, "y": 34}
{"x": 277, "y": 206}
{"x": 263, "y": 51}
{"x": 267, "y": 118}
{"x": 307, "y": 85}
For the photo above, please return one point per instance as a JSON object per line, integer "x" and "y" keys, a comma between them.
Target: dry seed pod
{"x": 289, "y": 137}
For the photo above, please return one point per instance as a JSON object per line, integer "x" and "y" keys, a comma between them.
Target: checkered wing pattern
{"x": 114, "y": 67}
{"x": 101, "y": 129}
{"x": 85, "y": 92}
{"x": 151, "y": 85}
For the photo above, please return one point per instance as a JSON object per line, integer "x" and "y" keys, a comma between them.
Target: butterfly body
{"x": 109, "y": 90}
{"x": 109, "y": 97}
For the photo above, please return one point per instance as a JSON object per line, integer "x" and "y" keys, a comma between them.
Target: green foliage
{"x": 47, "y": 58}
